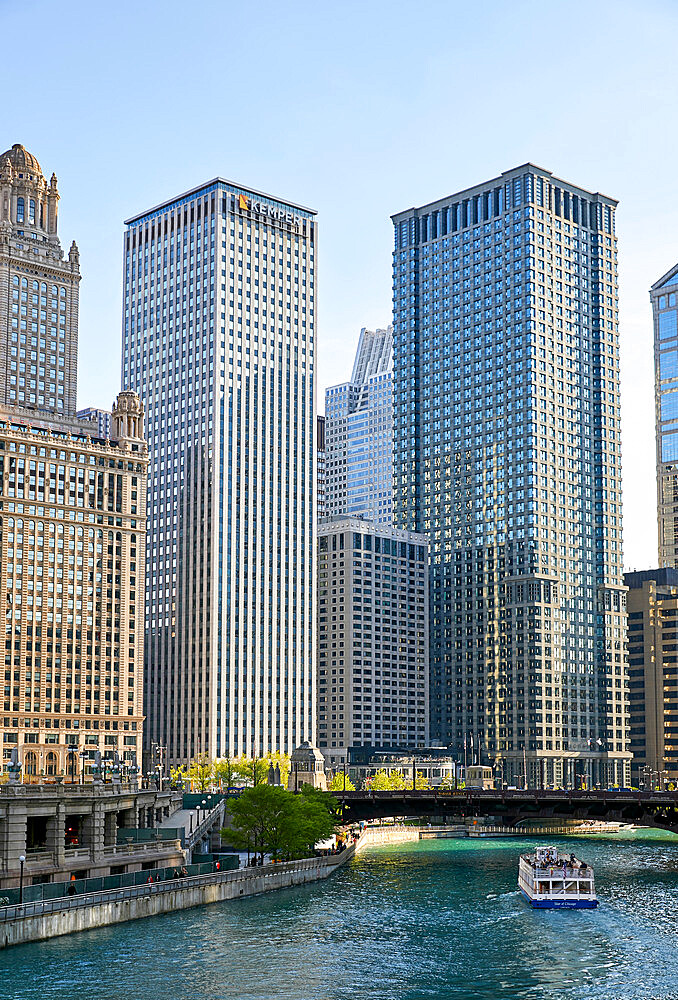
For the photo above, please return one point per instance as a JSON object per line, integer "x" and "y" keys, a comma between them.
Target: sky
{"x": 358, "y": 110}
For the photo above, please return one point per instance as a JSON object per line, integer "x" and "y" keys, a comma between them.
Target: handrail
{"x": 40, "y": 907}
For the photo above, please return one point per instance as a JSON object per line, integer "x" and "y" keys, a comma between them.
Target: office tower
{"x": 507, "y": 455}
{"x": 372, "y": 636}
{"x": 38, "y": 291}
{"x": 665, "y": 314}
{"x": 218, "y": 340}
{"x": 653, "y": 675}
{"x": 72, "y": 511}
{"x": 102, "y": 419}
{"x": 320, "y": 459}
{"x": 72, "y": 516}
{"x": 359, "y": 434}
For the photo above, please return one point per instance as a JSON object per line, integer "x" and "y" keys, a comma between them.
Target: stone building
{"x": 38, "y": 291}
{"x": 372, "y": 636}
{"x": 72, "y": 513}
{"x": 72, "y": 542}
{"x": 652, "y": 604}
{"x": 83, "y": 830}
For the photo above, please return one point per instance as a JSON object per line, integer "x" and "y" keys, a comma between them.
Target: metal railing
{"x": 19, "y": 911}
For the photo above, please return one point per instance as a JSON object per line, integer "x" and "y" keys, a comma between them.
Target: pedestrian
{"x": 71, "y": 886}
{"x": 149, "y": 880}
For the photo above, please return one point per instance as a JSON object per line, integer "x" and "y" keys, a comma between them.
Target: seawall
{"x": 378, "y": 835}
{"x": 52, "y": 918}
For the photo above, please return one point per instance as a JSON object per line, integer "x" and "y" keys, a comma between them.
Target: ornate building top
{"x": 21, "y": 161}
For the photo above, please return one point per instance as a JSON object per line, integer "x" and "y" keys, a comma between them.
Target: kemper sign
{"x": 271, "y": 211}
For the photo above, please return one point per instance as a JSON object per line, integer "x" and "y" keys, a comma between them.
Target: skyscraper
{"x": 218, "y": 340}
{"x": 507, "y": 455}
{"x": 665, "y": 313}
{"x": 40, "y": 370}
{"x": 320, "y": 458}
{"x": 72, "y": 511}
{"x": 372, "y": 636}
{"x": 359, "y": 434}
{"x": 100, "y": 418}
{"x": 653, "y": 675}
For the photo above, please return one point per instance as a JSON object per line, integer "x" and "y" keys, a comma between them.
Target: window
{"x": 668, "y": 327}
{"x": 19, "y": 210}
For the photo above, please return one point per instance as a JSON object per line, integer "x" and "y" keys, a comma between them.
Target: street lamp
{"x": 22, "y": 860}
{"x": 204, "y": 808}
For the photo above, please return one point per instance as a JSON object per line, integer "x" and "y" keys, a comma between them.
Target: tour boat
{"x": 549, "y": 880}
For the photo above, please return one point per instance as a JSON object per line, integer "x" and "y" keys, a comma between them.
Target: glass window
{"x": 669, "y": 406}
{"x": 669, "y": 447}
{"x": 19, "y": 210}
{"x": 668, "y": 364}
{"x": 668, "y": 327}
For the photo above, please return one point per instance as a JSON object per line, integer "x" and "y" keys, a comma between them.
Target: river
{"x": 435, "y": 920}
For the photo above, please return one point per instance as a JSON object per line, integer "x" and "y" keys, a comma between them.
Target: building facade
{"x": 507, "y": 456}
{"x": 372, "y": 636}
{"x": 72, "y": 513}
{"x": 219, "y": 342}
{"x": 359, "y": 434}
{"x": 101, "y": 418}
{"x": 39, "y": 291}
{"x": 653, "y": 676}
{"x": 664, "y": 295}
{"x": 72, "y": 536}
{"x": 320, "y": 461}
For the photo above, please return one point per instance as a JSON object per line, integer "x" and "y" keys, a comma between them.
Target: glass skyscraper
{"x": 664, "y": 296}
{"x": 507, "y": 455}
{"x": 359, "y": 434}
{"x": 218, "y": 340}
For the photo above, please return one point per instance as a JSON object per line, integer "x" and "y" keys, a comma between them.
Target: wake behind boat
{"x": 549, "y": 880}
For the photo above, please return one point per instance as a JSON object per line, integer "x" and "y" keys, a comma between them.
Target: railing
{"x": 42, "y": 907}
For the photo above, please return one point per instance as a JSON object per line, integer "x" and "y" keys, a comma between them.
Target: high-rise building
{"x": 372, "y": 636}
{"x": 38, "y": 291}
{"x": 218, "y": 340}
{"x": 664, "y": 295}
{"x": 102, "y": 419}
{"x": 653, "y": 675}
{"x": 320, "y": 456}
{"x": 359, "y": 434}
{"x": 507, "y": 455}
{"x": 72, "y": 522}
{"x": 72, "y": 511}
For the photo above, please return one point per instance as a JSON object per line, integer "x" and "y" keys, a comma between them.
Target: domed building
{"x": 38, "y": 291}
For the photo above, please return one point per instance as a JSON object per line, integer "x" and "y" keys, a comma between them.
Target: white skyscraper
{"x": 218, "y": 340}
{"x": 359, "y": 434}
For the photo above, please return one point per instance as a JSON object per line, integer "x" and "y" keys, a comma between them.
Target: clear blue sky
{"x": 358, "y": 110}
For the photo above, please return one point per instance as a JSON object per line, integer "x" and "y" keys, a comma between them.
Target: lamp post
{"x": 204, "y": 808}
{"x": 22, "y": 860}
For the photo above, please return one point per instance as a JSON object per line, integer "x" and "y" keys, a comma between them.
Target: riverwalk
{"x": 37, "y": 921}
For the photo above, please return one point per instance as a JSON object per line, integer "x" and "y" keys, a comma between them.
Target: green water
{"x": 425, "y": 921}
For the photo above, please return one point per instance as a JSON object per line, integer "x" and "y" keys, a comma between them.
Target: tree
{"x": 269, "y": 819}
{"x": 201, "y": 772}
{"x": 337, "y": 783}
{"x": 225, "y": 772}
{"x": 394, "y": 781}
{"x": 178, "y": 776}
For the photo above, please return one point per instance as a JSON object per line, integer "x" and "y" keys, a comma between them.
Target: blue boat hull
{"x": 565, "y": 904}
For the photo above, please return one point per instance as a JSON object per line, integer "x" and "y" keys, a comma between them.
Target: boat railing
{"x": 555, "y": 870}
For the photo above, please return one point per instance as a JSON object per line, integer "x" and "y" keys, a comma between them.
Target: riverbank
{"x": 39, "y": 921}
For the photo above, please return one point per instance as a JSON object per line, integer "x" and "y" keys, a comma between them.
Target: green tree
{"x": 269, "y": 819}
{"x": 337, "y": 783}
{"x": 225, "y": 773}
{"x": 178, "y": 776}
{"x": 201, "y": 772}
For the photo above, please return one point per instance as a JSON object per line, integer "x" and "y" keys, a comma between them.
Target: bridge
{"x": 642, "y": 808}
